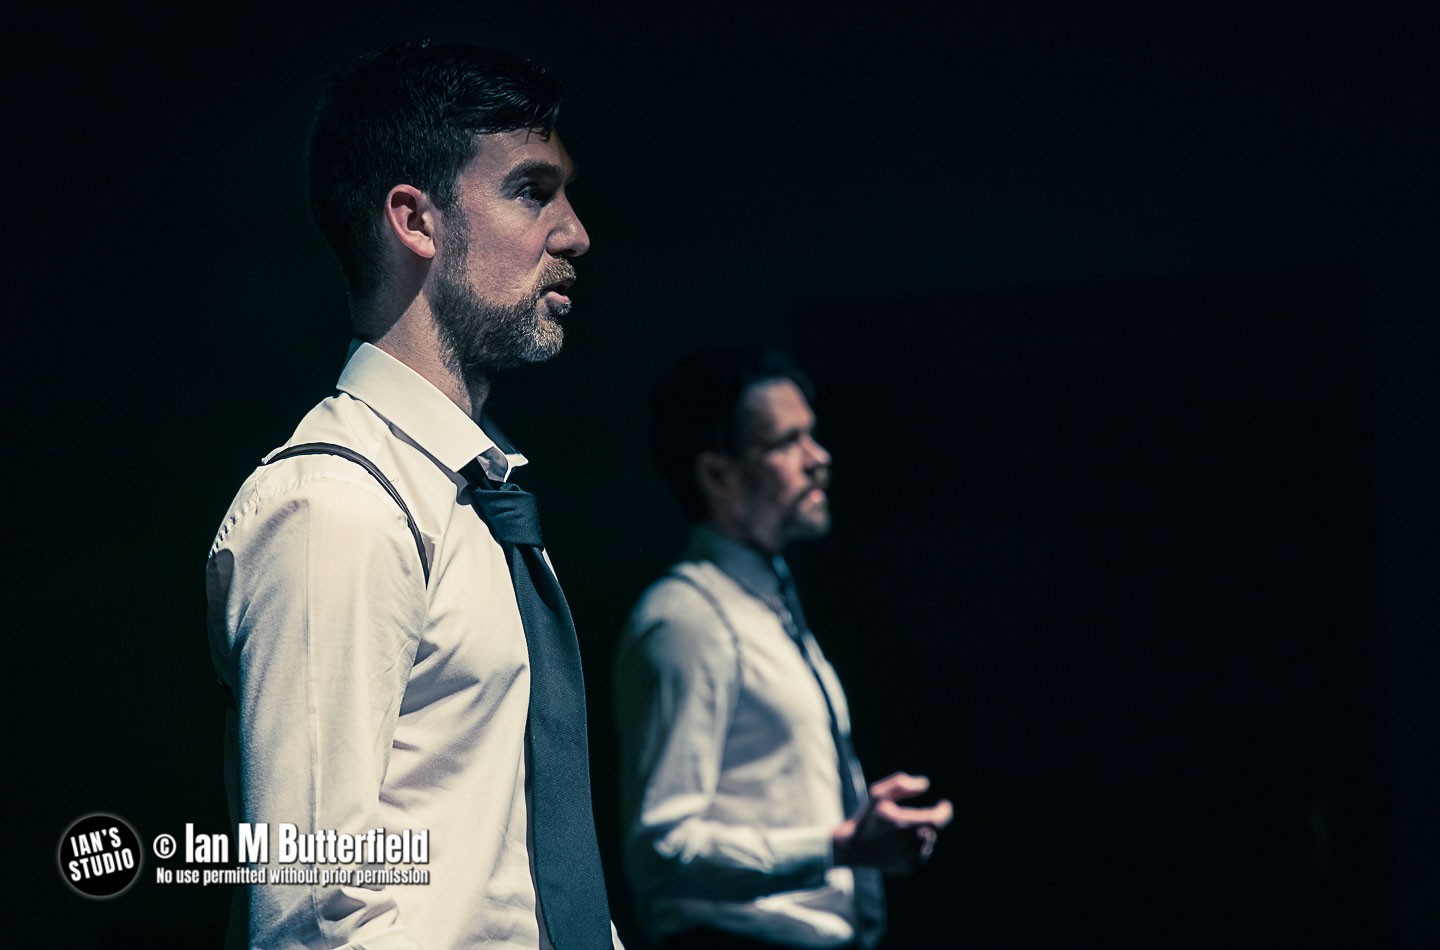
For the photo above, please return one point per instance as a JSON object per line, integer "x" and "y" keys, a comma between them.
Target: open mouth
{"x": 562, "y": 277}
{"x": 556, "y": 294}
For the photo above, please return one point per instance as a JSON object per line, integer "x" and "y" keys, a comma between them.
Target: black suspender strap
{"x": 330, "y": 448}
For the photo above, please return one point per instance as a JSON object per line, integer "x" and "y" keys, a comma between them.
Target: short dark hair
{"x": 697, "y": 406}
{"x": 409, "y": 113}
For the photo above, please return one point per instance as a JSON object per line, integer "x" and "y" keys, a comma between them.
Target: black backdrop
{"x": 1123, "y": 325}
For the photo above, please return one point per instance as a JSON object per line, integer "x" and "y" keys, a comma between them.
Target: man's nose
{"x": 568, "y": 238}
{"x": 816, "y": 453}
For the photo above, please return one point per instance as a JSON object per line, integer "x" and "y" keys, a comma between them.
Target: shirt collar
{"x": 750, "y": 567}
{"x": 409, "y": 402}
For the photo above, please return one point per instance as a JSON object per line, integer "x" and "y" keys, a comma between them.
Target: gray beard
{"x": 799, "y": 528}
{"x": 481, "y": 338}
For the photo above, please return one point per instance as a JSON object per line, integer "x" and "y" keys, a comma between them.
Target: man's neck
{"x": 739, "y": 534}
{"x": 749, "y": 566}
{"x": 422, "y": 353}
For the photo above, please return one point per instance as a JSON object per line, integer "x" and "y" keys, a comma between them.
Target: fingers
{"x": 937, "y": 815}
{"x": 890, "y": 836}
{"x": 899, "y": 786}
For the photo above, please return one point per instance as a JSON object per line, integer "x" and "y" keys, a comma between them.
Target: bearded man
{"x": 747, "y": 821}
{"x": 397, "y": 654}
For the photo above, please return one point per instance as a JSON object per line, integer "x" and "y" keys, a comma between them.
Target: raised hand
{"x": 890, "y": 836}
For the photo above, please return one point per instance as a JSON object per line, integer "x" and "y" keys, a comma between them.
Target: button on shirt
{"x": 730, "y": 780}
{"x": 365, "y": 698}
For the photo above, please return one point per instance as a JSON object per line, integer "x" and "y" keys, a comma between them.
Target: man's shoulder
{"x": 324, "y": 483}
{"x": 687, "y": 588}
{"x": 344, "y": 420}
{"x": 683, "y": 610}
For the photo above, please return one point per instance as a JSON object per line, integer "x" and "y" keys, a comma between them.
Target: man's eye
{"x": 788, "y": 442}
{"x": 533, "y": 192}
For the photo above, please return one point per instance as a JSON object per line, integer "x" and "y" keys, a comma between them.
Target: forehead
{"x": 773, "y": 408}
{"x": 503, "y": 152}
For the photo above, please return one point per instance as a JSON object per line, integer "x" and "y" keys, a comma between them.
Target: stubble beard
{"x": 481, "y": 338}
{"x": 809, "y": 522}
{"x": 807, "y": 519}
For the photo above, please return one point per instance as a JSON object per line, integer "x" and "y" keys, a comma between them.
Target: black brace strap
{"x": 329, "y": 448}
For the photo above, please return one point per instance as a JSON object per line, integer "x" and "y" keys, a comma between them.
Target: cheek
{"x": 503, "y": 277}
{"x": 507, "y": 257}
{"x": 784, "y": 482}
{"x": 761, "y": 487}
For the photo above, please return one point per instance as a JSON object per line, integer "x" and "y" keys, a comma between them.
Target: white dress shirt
{"x": 730, "y": 781}
{"x": 364, "y": 697}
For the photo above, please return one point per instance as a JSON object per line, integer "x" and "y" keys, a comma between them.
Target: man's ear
{"x": 411, "y": 217}
{"x": 716, "y": 475}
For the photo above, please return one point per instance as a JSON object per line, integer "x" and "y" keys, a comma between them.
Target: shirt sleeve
{"x": 321, "y": 599}
{"x": 677, "y": 680}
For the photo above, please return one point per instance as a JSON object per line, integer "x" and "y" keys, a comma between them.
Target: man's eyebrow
{"x": 537, "y": 168}
{"x": 783, "y": 436}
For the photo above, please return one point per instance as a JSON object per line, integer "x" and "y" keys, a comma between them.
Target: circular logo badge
{"x": 100, "y": 856}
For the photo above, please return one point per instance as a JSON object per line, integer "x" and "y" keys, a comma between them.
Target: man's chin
{"x": 809, "y": 526}
{"x": 544, "y": 344}
{"x": 549, "y": 339}
{"x": 546, "y": 334}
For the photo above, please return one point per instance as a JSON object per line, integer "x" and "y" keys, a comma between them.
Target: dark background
{"x": 1122, "y": 320}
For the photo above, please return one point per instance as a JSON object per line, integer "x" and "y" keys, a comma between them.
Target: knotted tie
{"x": 568, "y": 876}
{"x": 869, "y": 883}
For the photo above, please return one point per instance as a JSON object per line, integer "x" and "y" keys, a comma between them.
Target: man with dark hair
{"x": 747, "y": 822}
{"x": 399, "y": 659}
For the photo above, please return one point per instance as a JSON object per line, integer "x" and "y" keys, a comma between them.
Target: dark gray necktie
{"x": 869, "y": 883}
{"x": 568, "y": 875}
